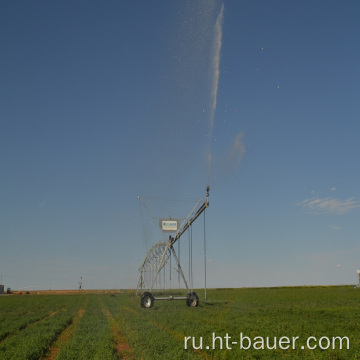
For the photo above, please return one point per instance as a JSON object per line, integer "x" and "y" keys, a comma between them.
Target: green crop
{"x": 103, "y": 326}
{"x": 30, "y": 337}
{"x": 92, "y": 338}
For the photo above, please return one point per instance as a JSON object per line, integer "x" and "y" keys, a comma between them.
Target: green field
{"x": 114, "y": 326}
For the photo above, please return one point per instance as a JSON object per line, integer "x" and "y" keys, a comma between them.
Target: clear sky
{"x": 103, "y": 101}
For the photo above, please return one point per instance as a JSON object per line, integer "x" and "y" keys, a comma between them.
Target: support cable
{"x": 170, "y": 270}
{"x": 191, "y": 237}
{"x": 189, "y": 260}
{"x": 179, "y": 261}
{"x": 205, "y": 252}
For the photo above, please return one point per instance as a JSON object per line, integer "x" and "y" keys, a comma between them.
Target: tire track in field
{"x": 65, "y": 335}
{"x": 122, "y": 347}
{"x": 131, "y": 310}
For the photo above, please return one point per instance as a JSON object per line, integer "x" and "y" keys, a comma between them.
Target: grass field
{"x": 114, "y": 326}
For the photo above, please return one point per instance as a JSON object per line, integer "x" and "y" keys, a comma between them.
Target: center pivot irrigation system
{"x": 152, "y": 269}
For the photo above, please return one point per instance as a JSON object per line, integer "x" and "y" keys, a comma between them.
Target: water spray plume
{"x": 216, "y": 65}
{"x": 237, "y": 152}
{"x": 215, "y": 70}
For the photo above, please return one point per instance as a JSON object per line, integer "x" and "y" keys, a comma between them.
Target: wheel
{"x": 192, "y": 299}
{"x": 147, "y": 300}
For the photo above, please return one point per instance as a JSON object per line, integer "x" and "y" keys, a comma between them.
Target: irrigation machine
{"x": 358, "y": 284}
{"x": 160, "y": 257}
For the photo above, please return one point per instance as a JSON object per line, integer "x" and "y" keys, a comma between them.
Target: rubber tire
{"x": 192, "y": 299}
{"x": 147, "y": 300}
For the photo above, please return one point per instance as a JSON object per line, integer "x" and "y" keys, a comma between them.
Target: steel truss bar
{"x": 197, "y": 214}
{"x": 179, "y": 267}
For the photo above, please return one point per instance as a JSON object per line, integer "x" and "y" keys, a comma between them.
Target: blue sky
{"x": 103, "y": 101}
